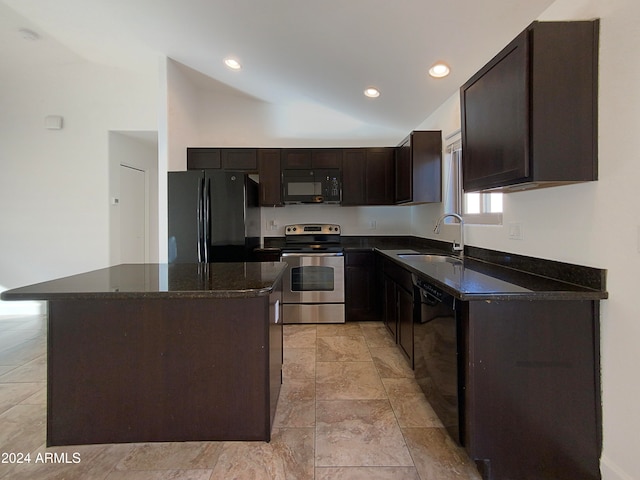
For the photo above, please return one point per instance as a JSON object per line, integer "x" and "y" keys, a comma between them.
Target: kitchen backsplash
{"x": 387, "y": 220}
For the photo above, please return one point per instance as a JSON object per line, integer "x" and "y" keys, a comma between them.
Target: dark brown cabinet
{"x": 326, "y": 158}
{"x": 270, "y": 185}
{"x": 240, "y": 159}
{"x": 418, "y": 168}
{"x": 405, "y": 322}
{"x": 293, "y": 158}
{"x": 390, "y": 308}
{"x": 399, "y": 306}
{"x": 529, "y": 117}
{"x": 360, "y": 287}
{"x": 368, "y": 176}
{"x": 532, "y": 392}
{"x": 203, "y": 158}
{"x": 354, "y": 176}
{"x": 296, "y": 158}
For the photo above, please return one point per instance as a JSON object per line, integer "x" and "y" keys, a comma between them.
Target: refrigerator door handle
{"x": 200, "y": 222}
{"x": 207, "y": 219}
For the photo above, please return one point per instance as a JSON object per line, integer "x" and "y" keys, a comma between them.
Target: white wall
{"x": 54, "y": 184}
{"x": 595, "y": 224}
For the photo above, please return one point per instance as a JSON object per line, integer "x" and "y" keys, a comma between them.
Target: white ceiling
{"x": 323, "y": 52}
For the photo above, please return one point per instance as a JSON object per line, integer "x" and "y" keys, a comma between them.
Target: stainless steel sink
{"x": 429, "y": 258}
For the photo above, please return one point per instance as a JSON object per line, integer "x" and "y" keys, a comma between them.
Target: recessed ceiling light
{"x": 232, "y": 63}
{"x": 439, "y": 70}
{"x": 372, "y": 92}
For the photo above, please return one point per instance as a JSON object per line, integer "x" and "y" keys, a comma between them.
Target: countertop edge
{"x": 583, "y": 294}
{"x": 248, "y": 293}
{"x": 27, "y": 293}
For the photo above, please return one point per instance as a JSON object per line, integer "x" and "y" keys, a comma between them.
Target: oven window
{"x": 312, "y": 278}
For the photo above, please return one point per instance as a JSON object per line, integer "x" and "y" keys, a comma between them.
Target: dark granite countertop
{"x": 189, "y": 280}
{"x": 471, "y": 278}
{"x": 483, "y": 274}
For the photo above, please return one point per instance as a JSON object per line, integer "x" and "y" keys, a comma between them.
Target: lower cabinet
{"x": 528, "y": 378}
{"x": 532, "y": 389}
{"x": 405, "y": 322}
{"x": 361, "y": 298}
{"x": 399, "y": 309}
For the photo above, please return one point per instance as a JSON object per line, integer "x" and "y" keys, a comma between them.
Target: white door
{"x": 132, "y": 215}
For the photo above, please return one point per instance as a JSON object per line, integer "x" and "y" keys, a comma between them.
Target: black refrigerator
{"x": 214, "y": 216}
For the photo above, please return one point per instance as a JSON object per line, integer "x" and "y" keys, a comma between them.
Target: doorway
{"x": 133, "y": 194}
{"x": 133, "y": 215}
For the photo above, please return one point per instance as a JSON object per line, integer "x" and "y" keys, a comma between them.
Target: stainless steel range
{"x": 314, "y": 281}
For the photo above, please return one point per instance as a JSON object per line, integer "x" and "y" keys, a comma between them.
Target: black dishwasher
{"x": 436, "y": 350}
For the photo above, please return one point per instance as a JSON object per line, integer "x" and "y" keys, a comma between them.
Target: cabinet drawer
{"x": 399, "y": 275}
{"x": 359, "y": 258}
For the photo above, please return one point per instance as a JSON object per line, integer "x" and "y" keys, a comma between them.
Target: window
{"x": 478, "y": 208}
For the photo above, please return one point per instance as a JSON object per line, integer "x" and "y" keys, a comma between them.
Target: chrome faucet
{"x": 459, "y": 247}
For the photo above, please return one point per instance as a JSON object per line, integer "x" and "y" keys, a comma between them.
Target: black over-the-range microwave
{"x": 320, "y": 185}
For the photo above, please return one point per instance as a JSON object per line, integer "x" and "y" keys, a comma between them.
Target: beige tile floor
{"x": 349, "y": 409}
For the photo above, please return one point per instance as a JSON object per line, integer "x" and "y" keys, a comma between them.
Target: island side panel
{"x": 144, "y": 370}
{"x": 276, "y": 350}
{"x": 533, "y": 405}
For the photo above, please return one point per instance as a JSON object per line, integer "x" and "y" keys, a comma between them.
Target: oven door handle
{"x": 310, "y": 254}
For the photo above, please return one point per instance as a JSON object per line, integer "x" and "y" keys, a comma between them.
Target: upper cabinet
{"x": 293, "y": 158}
{"x": 368, "y": 176}
{"x": 529, "y": 117}
{"x": 270, "y": 185}
{"x": 409, "y": 173}
{"x": 241, "y": 159}
{"x": 199, "y": 158}
{"x": 418, "y": 168}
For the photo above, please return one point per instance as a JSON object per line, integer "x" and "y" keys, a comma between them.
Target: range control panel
{"x": 312, "y": 228}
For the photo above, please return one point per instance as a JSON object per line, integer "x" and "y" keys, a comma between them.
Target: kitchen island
{"x": 161, "y": 353}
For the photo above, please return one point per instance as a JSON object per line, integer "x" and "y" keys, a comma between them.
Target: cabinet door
{"x": 532, "y": 374}
{"x": 380, "y": 178}
{"x": 404, "y": 190}
{"x": 426, "y": 166}
{"x": 296, "y": 158}
{"x": 495, "y": 126}
{"x": 270, "y": 178}
{"x": 203, "y": 158}
{"x": 326, "y": 158}
{"x": 239, "y": 159}
{"x": 390, "y": 315}
{"x": 360, "y": 284}
{"x": 354, "y": 171}
{"x": 405, "y": 322}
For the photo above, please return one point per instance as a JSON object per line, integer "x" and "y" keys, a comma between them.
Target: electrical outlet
{"x": 516, "y": 231}
{"x": 372, "y": 225}
{"x": 272, "y": 225}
